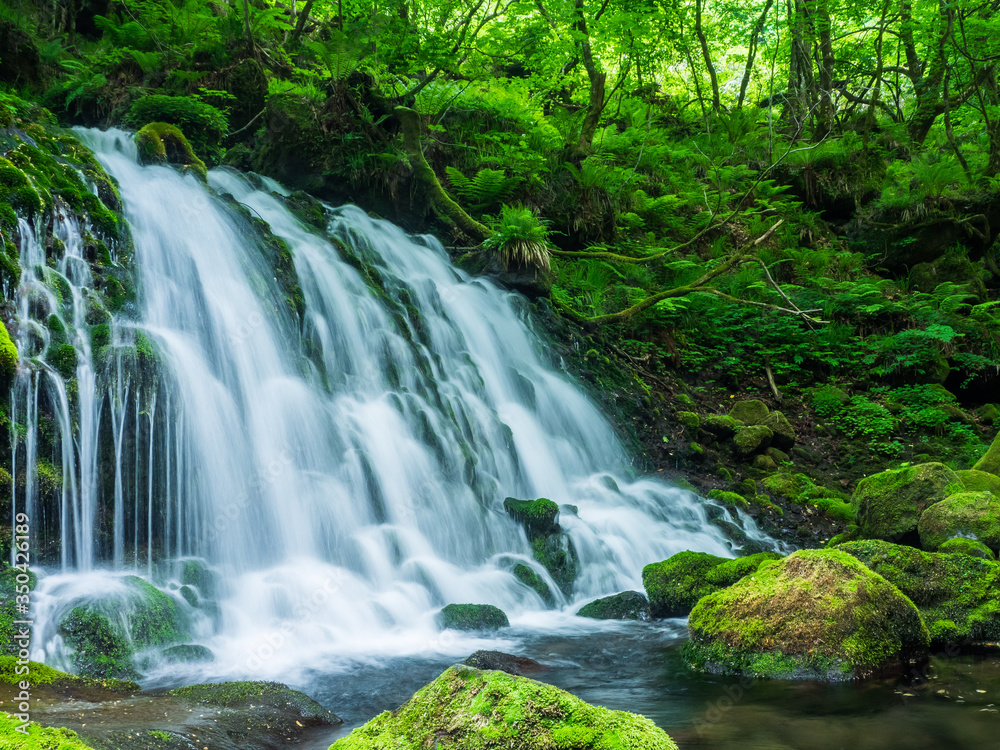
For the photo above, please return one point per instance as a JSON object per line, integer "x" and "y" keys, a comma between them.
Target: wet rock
{"x": 469, "y": 708}
{"x": 889, "y": 504}
{"x": 515, "y": 665}
{"x": 188, "y": 652}
{"x": 815, "y": 614}
{"x": 472, "y": 617}
{"x": 628, "y": 605}
{"x": 990, "y": 462}
{"x": 749, "y": 440}
{"x": 975, "y": 515}
{"x": 962, "y": 546}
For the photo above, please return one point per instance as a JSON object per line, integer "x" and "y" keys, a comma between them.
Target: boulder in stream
{"x": 472, "y": 617}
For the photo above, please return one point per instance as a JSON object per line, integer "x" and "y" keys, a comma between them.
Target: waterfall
{"x": 341, "y": 471}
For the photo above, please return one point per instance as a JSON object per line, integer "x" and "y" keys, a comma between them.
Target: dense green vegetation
{"x": 797, "y": 200}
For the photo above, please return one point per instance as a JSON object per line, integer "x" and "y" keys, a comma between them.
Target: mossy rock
{"x": 557, "y": 555}
{"x": 764, "y": 462}
{"x": 784, "y": 433}
{"x": 106, "y": 631}
{"x": 817, "y": 614}
{"x": 162, "y": 143}
{"x": 689, "y": 419}
{"x": 975, "y": 515}
{"x": 469, "y": 709}
{"x": 888, "y": 505}
{"x": 749, "y": 440}
{"x": 628, "y": 605}
{"x": 537, "y": 516}
{"x": 8, "y": 355}
{"x": 990, "y": 462}
{"x": 675, "y": 585}
{"x": 729, "y": 498}
{"x": 749, "y": 412}
{"x": 989, "y": 413}
{"x": 777, "y": 455}
{"x": 472, "y": 617}
{"x": 195, "y": 573}
{"x": 722, "y": 427}
{"x": 63, "y": 359}
{"x": 187, "y": 652}
{"x": 234, "y": 695}
{"x": 962, "y": 546}
{"x": 37, "y": 736}
{"x": 979, "y": 481}
{"x": 532, "y": 580}
{"x": 956, "y": 588}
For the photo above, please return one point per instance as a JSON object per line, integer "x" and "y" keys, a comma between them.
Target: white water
{"x": 344, "y": 475}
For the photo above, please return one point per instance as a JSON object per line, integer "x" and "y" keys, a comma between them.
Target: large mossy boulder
{"x": 749, "y": 440}
{"x": 469, "y": 709}
{"x": 675, "y": 585}
{"x": 628, "y": 605}
{"x": 749, "y": 412}
{"x": 955, "y": 593}
{"x": 990, "y": 462}
{"x": 974, "y": 515}
{"x": 105, "y": 632}
{"x": 163, "y": 143}
{"x": 888, "y": 505}
{"x": 472, "y": 617}
{"x": 815, "y": 614}
{"x": 963, "y": 546}
{"x": 781, "y": 429}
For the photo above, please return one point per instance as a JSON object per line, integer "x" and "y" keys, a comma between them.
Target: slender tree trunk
{"x": 758, "y": 29}
{"x": 826, "y": 114}
{"x": 597, "y": 79}
{"x": 707, "y": 56}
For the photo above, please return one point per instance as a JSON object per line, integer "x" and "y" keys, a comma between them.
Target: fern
{"x": 487, "y": 188}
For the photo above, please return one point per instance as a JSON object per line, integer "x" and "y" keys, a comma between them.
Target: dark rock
{"x": 516, "y": 665}
{"x": 628, "y": 605}
{"x": 472, "y": 617}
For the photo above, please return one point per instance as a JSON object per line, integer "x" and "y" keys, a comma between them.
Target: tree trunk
{"x": 597, "y": 79}
{"x": 707, "y": 55}
{"x": 752, "y": 52}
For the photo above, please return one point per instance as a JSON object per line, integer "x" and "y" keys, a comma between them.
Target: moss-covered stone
{"x": 63, "y": 359}
{"x": 557, "y": 555}
{"x": 537, "y": 516}
{"x": 961, "y": 545}
{"x": 475, "y": 710}
{"x": 989, "y": 413}
{"x": 990, "y": 462}
{"x": 721, "y": 426}
{"x": 749, "y": 440}
{"x": 188, "y": 652}
{"x": 472, "y": 617}
{"x": 8, "y": 355}
{"x": 628, "y": 605}
{"x": 532, "y": 580}
{"x": 37, "y": 736}
{"x": 162, "y": 143}
{"x": 235, "y": 695}
{"x": 689, "y": 419}
{"x": 888, "y": 505}
{"x": 784, "y": 433}
{"x": 749, "y": 412}
{"x": 105, "y": 632}
{"x": 729, "y": 498}
{"x": 817, "y": 613}
{"x": 979, "y": 481}
{"x": 975, "y": 515}
{"x": 675, "y": 585}
{"x": 947, "y": 588}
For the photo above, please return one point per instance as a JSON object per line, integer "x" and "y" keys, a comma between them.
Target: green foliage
{"x": 202, "y": 124}
{"x": 519, "y": 240}
{"x": 487, "y": 188}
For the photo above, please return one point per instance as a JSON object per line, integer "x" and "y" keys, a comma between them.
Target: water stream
{"x": 343, "y": 474}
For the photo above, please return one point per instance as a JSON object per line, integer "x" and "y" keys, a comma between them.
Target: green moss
{"x": 251, "y": 694}
{"x": 8, "y": 354}
{"x": 99, "y": 649}
{"x": 675, "y": 585}
{"x": 100, "y": 336}
{"x": 954, "y": 587}
{"x": 990, "y": 462}
{"x": 749, "y": 412}
{"x": 537, "y": 516}
{"x": 730, "y": 571}
{"x": 970, "y": 514}
{"x": 749, "y": 440}
{"x": 472, "y": 617}
{"x": 477, "y": 710}
{"x": 721, "y": 426}
{"x": 817, "y": 613}
{"x": 40, "y": 674}
{"x": 989, "y": 413}
{"x": 783, "y": 432}
{"x": 628, "y": 605}
{"x": 558, "y": 556}
{"x": 689, "y": 419}
{"x": 979, "y": 481}
{"x": 531, "y": 579}
{"x": 63, "y": 359}
{"x": 729, "y": 498}
{"x": 888, "y": 505}
{"x": 162, "y": 143}
{"x": 38, "y": 737}
{"x": 961, "y": 545}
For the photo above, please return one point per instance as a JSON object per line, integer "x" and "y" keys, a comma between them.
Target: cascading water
{"x": 342, "y": 474}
